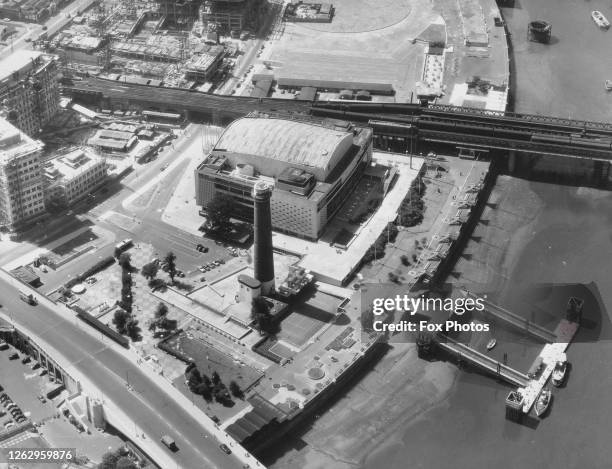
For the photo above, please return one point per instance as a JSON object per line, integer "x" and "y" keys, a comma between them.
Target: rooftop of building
{"x": 14, "y": 143}
{"x": 17, "y": 61}
{"x": 293, "y": 142}
{"x": 71, "y": 165}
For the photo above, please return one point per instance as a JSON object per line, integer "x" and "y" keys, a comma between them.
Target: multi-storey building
{"x": 29, "y": 90}
{"x": 21, "y": 177}
{"x": 72, "y": 176}
{"x": 313, "y": 167}
{"x": 231, "y": 14}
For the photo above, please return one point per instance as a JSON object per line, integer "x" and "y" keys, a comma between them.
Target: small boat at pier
{"x": 492, "y": 343}
{"x": 558, "y": 374}
{"x": 608, "y": 85}
{"x": 600, "y": 19}
{"x": 543, "y": 402}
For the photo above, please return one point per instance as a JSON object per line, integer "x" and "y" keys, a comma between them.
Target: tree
{"x": 120, "y": 320}
{"x": 126, "y": 463}
{"x": 125, "y": 261}
{"x": 216, "y": 379}
{"x": 126, "y": 279}
{"x": 162, "y": 310}
{"x": 194, "y": 380}
{"x": 235, "y": 389}
{"x": 109, "y": 461}
{"x": 219, "y": 212}
{"x": 132, "y": 329}
{"x": 260, "y": 314}
{"x": 204, "y": 390}
{"x": 167, "y": 324}
{"x": 221, "y": 394}
{"x": 149, "y": 271}
{"x": 170, "y": 261}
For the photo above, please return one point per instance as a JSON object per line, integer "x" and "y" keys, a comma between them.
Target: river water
{"x": 569, "y": 241}
{"x": 566, "y": 77}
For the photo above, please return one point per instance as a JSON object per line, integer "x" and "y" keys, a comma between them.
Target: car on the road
{"x": 163, "y": 168}
{"x": 169, "y": 442}
{"x": 225, "y": 448}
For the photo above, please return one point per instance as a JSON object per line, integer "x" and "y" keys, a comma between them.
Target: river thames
{"x": 558, "y": 234}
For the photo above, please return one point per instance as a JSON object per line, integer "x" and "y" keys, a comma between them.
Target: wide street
{"x": 140, "y": 221}
{"x": 150, "y": 408}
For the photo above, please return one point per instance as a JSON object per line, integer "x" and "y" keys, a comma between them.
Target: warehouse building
{"x": 313, "y": 166}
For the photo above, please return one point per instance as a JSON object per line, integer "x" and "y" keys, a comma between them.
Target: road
{"x": 247, "y": 60}
{"x": 53, "y": 25}
{"x": 148, "y": 405}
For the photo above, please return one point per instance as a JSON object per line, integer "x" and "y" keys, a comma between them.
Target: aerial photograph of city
{"x": 286, "y": 234}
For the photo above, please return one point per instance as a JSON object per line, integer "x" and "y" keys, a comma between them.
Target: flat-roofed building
{"x": 313, "y": 166}
{"x": 72, "y": 176}
{"x": 201, "y": 67}
{"x": 29, "y": 90}
{"x": 21, "y": 177}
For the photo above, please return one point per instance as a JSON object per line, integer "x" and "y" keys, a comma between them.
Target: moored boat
{"x": 558, "y": 374}
{"x": 492, "y": 343}
{"x": 600, "y": 19}
{"x": 608, "y": 85}
{"x": 543, "y": 402}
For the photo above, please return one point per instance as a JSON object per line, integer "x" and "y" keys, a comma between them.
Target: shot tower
{"x": 262, "y": 227}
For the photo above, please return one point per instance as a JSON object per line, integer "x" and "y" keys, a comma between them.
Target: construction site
{"x": 158, "y": 43}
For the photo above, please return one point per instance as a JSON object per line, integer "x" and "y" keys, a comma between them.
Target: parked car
{"x": 225, "y": 449}
{"x": 20, "y": 419}
{"x": 25, "y": 360}
{"x": 13, "y": 356}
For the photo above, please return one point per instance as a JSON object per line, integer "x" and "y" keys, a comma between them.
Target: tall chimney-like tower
{"x": 264, "y": 260}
